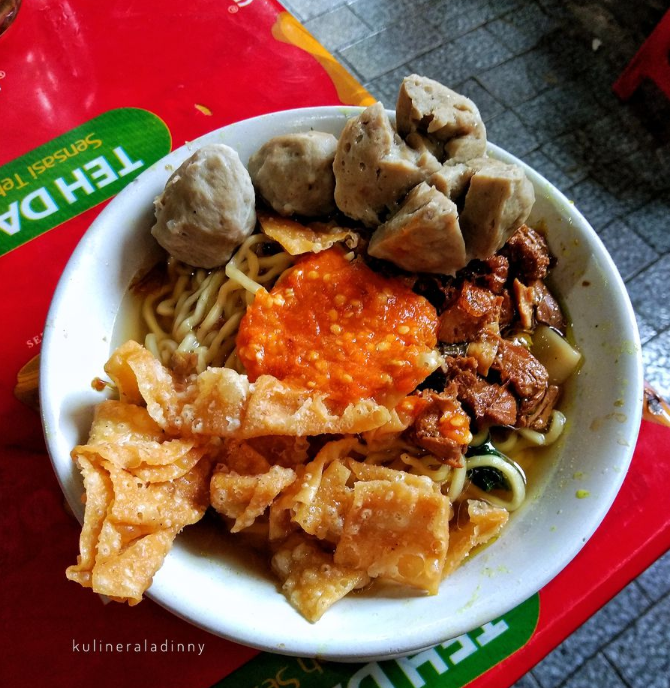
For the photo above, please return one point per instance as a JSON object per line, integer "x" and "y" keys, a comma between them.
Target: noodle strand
{"x": 198, "y": 312}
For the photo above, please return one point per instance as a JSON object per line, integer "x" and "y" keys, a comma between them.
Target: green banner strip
{"x": 76, "y": 171}
{"x": 454, "y": 663}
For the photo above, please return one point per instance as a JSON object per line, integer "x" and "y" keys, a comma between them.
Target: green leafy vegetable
{"x": 490, "y": 478}
{"x": 487, "y": 478}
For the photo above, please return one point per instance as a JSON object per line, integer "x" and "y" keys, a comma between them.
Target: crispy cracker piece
{"x": 240, "y": 457}
{"x": 128, "y": 437}
{"x": 99, "y": 495}
{"x": 280, "y": 522}
{"x": 396, "y": 531}
{"x": 221, "y": 402}
{"x": 216, "y": 404}
{"x": 366, "y": 471}
{"x": 296, "y": 238}
{"x": 319, "y": 497}
{"x": 139, "y": 380}
{"x": 313, "y": 471}
{"x": 122, "y": 423}
{"x": 132, "y": 516}
{"x": 481, "y": 523}
{"x": 179, "y": 468}
{"x": 275, "y": 407}
{"x": 125, "y": 576}
{"x": 246, "y": 497}
{"x": 323, "y": 516}
{"x": 119, "y": 368}
{"x": 393, "y": 428}
{"x": 176, "y": 503}
{"x": 282, "y": 450}
{"x": 311, "y": 581}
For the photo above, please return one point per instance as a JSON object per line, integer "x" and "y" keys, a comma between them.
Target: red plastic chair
{"x": 651, "y": 62}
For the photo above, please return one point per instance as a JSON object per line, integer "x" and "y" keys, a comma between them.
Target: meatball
{"x": 452, "y": 180}
{"x": 374, "y": 168}
{"x": 498, "y": 201}
{"x": 463, "y": 211}
{"x": 207, "y": 208}
{"x": 423, "y": 236}
{"x": 495, "y": 199}
{"x": 294, "y": 173}
{"x": 447, "y": 122}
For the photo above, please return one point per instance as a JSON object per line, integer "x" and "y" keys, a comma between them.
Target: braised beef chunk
{"x": 548, "y": 310}
{"x": 529, "y": 405}
{"x": 535, "y": 303}
{"x": 426, "y": 430}
{"x": 469, "y": 313}
{"x": 538, "y": 418}
{"x": 456, "y": 365}
{"x": 521, "y": 370}
{"x": 522, "y": 399}
{"x": 497, "y": 381}
{"x": 524, "y": 298}
{"x": 489, "y": 403}
{"x": 438, "y": 290}
{"x": 528, "y": 254}
{"x": 507, "y": 312}
{"x": 490, "y": 273}
{"x": 484, "y": 350}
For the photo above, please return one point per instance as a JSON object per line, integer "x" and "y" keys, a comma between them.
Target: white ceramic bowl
{"x": 206, "y": 583}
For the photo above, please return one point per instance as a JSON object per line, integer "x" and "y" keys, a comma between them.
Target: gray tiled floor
{"x": 541, "y": 72}
{"x": 588, "y": 641}
{"x": 651, "y": 667}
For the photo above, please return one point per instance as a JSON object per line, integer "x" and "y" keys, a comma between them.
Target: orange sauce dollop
{"x": 337, "y": 327}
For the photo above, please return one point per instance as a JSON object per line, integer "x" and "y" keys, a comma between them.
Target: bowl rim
{"x": 348, "y": 649}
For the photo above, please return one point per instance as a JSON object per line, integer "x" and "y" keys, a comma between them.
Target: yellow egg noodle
{"x": 203, "y": 308}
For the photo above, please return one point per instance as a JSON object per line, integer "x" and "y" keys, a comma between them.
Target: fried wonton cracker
{"x": 311, "y": 581}
{"x": 320, "y": 497}
{"x": 401, "y": 417}
{"x": 179, "y": 502}
{"x": 223, "y": 403}
{"x": 118, "y": 422}
{"x": 275, "y": 407}
{"x": 366, "y": 471}
{"x": 127, "y": 436}
{"x": 215, "y": 403}
{"x": 119, "y": 367}
{"x": 241, "y": 457}
{"x": 303, "y": 503}
{"x": 132, "y": 515}
{"x": 313, "y": 238}
{"x": 125, "y": 575}
{"x": 99, "y": 495}
{"x": 246, "y": 497}
{"x": 282, "y": 450}
{"x": 397, "y": 531}
{"x": 469, "y": 529}
{"x": 323, "y": 516}
{"x": 139, "y": 380}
